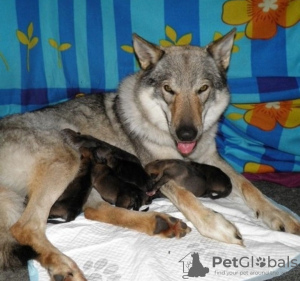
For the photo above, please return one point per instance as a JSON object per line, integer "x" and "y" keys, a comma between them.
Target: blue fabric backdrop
{"x": 52, "y": 50}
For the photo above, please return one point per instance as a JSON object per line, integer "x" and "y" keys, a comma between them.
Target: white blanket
{"x": 106, "y": 252}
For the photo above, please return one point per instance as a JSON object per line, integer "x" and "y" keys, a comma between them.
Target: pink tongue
{"x": 151, "y": 193}
{"x": 186, "y": 147}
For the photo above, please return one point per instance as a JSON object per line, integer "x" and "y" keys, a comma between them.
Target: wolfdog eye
{"x": 168, "y": 89}
{"x": 202, "y": 89}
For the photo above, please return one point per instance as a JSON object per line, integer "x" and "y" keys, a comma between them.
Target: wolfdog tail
{"x": 12, "y": 254}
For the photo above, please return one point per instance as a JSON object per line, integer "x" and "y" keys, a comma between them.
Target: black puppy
{"x": 200, "y": 179}
{"x": 69, "y": 205}
{"x": 117, "y": 175}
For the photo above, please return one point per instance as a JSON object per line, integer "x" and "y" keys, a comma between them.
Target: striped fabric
{"x": 52, "y": 50}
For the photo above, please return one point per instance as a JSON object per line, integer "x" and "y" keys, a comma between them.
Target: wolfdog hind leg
{"x": 151, "y": 223}
{"x": 47, "y": 182}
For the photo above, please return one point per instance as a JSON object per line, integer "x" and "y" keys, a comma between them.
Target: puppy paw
{"x": 279, "y": 220}
{"x": 169, "y": 227}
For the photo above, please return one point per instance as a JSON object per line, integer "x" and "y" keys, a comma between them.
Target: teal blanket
{"x": 54, "y": 50}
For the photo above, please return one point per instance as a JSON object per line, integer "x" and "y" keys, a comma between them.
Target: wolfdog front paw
{"x": 169, "y": 227}
{"x": 279, "y": 220}
{"x": 213, "y": 225}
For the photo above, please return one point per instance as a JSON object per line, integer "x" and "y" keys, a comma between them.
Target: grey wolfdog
{"x": 167, "y": 110}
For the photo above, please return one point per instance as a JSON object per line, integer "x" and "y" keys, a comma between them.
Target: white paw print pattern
{"x": 101, "y": 270}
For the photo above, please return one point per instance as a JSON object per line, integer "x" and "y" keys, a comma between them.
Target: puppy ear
{"x": 147, "y": 53}
{"x": 85, "y": 152}
{"x": 220, "y": 49}
{"x": 99, "y": 156}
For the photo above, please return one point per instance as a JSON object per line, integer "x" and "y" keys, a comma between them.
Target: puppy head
{"x": 155, "y": 169}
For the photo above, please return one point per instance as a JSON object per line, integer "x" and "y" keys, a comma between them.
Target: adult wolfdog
{"x": 167, "y": 110}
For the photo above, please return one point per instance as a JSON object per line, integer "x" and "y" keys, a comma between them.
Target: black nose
{"x": 186, "y": 133}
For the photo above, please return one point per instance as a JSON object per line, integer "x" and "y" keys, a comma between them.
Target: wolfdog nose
{"x": 186, "y": 133}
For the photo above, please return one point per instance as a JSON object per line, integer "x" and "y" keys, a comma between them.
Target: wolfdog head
{"x": 189, "y": 83}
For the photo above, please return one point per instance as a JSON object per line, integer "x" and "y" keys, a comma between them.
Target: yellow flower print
{"x": 4, "y": 61}
{"x": 79, "y": 95}
{"x": 59, "y": 48}
{"x": 265, "y": 116}
{"x": 172, "y": 38}
{"x": 28, "y": 40}
{"x": 252, "y": 167}
{"x": 127, "y": 48}
{"x": 261, "y": 16}
{"x": 171, "y": 34}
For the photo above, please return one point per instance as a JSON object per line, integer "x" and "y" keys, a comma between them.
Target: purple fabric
{"x": 285, "y": 179}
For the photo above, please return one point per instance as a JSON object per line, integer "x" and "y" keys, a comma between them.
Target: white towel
{"x": 106, "y": 252}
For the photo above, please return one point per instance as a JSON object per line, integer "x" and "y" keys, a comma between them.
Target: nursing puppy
{"x": 200, "y": 179}
{"x": 69, "y": 205}
{"x": 117, "y": 175}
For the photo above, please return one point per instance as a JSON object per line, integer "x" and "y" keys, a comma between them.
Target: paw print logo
{"x": 261, "y": 262}
{"x": 101, "y": 270}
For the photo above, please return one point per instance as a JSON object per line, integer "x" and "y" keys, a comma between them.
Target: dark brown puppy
{"x": 117, "y": 175}
{"x": 125, "y": 165}
{"x": 69, "y": 204}
{"x": 200, "y": 179}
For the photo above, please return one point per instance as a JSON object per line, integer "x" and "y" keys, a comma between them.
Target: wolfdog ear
{"x": 147, "y": 53}
{"x": 221, "y": 49}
